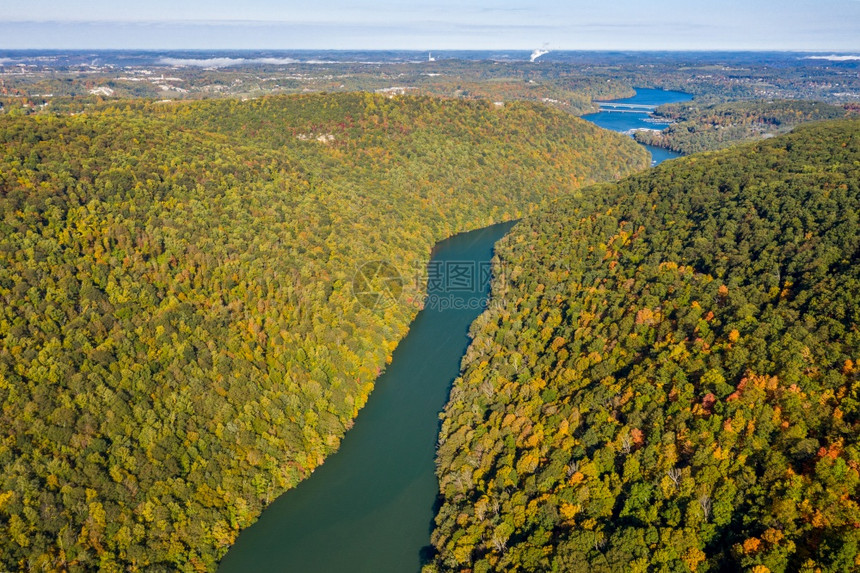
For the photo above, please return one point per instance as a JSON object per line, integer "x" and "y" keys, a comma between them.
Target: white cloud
{"x": 835, "y": 58}
{"x": 224, "y": 62}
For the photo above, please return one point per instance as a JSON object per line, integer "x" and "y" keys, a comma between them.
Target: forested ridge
{"x": 700, "y": 127}
{"x": 179, "y": 339}
{"x": 668, "y": 379}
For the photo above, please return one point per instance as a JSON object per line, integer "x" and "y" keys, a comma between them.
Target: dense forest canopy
{"x": 669, "y": 377}
{"x": 698, "y": 127}
{"x": 179, "y": 342}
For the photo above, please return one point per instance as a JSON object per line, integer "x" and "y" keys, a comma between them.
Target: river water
{"x": 639, "y": 116}
{"x": 370, "y": 506}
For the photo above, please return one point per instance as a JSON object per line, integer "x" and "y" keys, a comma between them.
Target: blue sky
{"x": 445, "y": 24}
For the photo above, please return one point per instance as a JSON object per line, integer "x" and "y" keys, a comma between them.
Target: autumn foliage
{"x": 692, "y": 407}
{"x": 179, "y": 341}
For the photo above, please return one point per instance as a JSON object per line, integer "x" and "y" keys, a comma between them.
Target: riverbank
{"x": 370, "y": 506}
{"x": 632, "y": 114}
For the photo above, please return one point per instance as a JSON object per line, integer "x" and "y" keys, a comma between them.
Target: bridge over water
{"x": 611, "y": 110}
{"x": 627, "y": 106}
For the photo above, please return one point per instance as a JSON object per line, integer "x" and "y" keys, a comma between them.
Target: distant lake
{"x": 627, "y": 114}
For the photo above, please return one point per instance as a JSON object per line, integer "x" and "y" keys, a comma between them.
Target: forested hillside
{"x": 669, "y": 378}
{"x": 711, "y": 127}
{"x": 179, "y": 339}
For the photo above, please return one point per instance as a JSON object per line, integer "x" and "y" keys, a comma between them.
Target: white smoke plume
{"x": 539, "y": 52}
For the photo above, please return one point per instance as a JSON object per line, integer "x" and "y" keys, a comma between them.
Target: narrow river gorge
{"x": 370, "y": 506}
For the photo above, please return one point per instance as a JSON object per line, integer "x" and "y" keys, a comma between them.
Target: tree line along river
{"x": 370, "y": 506}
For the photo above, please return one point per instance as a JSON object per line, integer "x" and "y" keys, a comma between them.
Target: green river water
{"x": 370, "y": 506}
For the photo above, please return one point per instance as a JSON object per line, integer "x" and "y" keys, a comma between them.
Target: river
{"x": 638, "y": 116}
{"x": 370, "y": 506}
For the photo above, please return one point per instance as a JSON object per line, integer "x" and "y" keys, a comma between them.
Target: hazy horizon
{"x": 671, "y": 25}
